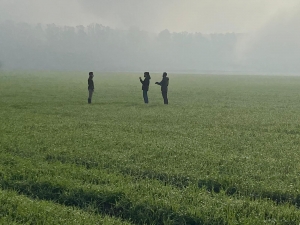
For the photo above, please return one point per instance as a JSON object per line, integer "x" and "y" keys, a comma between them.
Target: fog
{"x": 233, "y": 36}
{"x": 273, "y": 48}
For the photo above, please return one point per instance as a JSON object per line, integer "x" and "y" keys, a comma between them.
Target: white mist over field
{"x": 233, "y": 36}
{"x": 275, "y": 46}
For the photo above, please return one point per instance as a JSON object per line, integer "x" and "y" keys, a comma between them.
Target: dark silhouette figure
{"x": 145, "y": 86}
{"x": 164, "y": 87}
{"x": 90, "y": 87}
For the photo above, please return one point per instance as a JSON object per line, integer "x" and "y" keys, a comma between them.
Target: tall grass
{"x": 225, "y": 151}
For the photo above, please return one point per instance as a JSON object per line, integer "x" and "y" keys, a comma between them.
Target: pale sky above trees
{"x": 204, "y": 16}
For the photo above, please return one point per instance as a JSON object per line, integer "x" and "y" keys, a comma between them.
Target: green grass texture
{"x": 224, "y": 151}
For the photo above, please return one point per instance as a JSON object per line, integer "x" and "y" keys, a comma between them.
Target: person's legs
{"x": 165, "y": 97}
{"x": 90, "y": 96}
{"x": 145, "y": 96}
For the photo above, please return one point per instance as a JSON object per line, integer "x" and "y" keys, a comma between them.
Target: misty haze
{"x": 273, "y": 46}
{"x": 52, "y": 47}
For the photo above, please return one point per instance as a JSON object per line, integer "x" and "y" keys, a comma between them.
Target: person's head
{"x": 164, "y": 74}
{"x": 91, "y": 74}
{"x": 147, "y": 75}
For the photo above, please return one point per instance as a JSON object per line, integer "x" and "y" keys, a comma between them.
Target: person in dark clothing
{"x": 164, "y": 87}
{"x": 145, "y": 86}
{"x": 90, "y": 87}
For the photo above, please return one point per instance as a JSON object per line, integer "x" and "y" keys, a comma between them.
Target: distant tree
{"x": 164, "y": 36}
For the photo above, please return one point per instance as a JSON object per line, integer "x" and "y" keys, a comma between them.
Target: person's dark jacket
{"x": 90, "y": 84}
{"x": 146, "y": 83}
{"x": 164, "y": 84}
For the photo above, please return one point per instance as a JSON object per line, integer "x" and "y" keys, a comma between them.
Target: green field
{"x": 224, "y": 151}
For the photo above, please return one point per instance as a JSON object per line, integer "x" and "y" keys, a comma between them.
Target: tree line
{"x": 101, "y": 48}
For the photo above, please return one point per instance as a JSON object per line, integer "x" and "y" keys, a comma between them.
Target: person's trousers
{"x": 165, "y": 97}
{"x": 90, "y": 95}
{"x": 145, "y": 96}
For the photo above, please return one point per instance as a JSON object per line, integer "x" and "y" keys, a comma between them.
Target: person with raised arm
{"x": 164, "y": 87}
{"x": 145, "y": 86}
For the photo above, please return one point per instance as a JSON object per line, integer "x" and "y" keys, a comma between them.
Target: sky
{"x": 205, "y": 16}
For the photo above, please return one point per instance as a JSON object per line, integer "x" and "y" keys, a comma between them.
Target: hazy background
{"x": 231, "y": 36}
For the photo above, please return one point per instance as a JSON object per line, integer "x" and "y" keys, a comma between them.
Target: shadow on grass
{"x": 107, "y": 202}
{"x": 183, "y": 181}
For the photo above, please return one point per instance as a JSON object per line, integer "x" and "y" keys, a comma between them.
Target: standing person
{"x": 164, "y": 87}
{"x": 145, "y": 86}
{"x": 90, "y": 87}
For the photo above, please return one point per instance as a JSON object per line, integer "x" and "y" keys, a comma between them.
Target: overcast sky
{"x": 151, "y": 15}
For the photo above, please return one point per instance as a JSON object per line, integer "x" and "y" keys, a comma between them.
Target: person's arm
{"x": 159, "y": 83}
{"x": 142, "y": 81}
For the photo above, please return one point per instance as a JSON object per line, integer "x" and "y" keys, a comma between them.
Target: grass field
{"x": 225, "y": 151}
